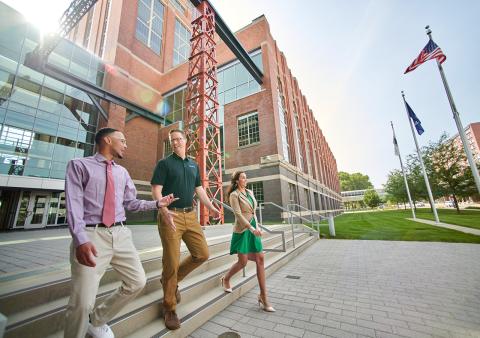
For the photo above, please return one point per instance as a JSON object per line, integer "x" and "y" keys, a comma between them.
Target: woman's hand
{"x": 257, "y": 232}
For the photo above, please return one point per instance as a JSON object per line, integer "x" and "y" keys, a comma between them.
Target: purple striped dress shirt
{"x": 85, "y": 191}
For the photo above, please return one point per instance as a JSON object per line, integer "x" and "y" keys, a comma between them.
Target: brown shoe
{"x": 171, "y": 320}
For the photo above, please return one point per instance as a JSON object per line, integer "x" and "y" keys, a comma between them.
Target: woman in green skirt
{"x": 246, "y": 238}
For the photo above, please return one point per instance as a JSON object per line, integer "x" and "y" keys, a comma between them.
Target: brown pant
{"x": 191, "y": 232}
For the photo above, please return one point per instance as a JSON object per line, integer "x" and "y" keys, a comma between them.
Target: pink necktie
{"x": 108, "y": 217}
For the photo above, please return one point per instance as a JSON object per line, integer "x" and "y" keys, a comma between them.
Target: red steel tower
{"x": 201, "y": 123}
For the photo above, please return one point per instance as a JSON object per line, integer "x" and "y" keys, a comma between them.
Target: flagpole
{"x": 458, "y": 122}
{"x": 430, "y": 196}
{"x": 404, "y": 175}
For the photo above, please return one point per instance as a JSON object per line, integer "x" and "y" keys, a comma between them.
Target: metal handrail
{"x": 289, "y": 220}
{"x": 317, "y": 223}
{"x": 311, "y": 210}
{"x": 274, "y": 232}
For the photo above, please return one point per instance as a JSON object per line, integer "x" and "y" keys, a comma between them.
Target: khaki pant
{"x": 114, "y": 247}
{"x": 191, "y": 232}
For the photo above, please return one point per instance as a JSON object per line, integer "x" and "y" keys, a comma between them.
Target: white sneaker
{"x": 103, "y": 331}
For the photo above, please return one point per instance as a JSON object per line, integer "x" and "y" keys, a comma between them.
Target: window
{"x": 178, "y": 6}
{"x": 307, "y": 197}
{"x": 248, "y": 131}
{"x": 167, "y": 148}
{"x": 317, "y": 201}
{"x": 235, "y": 82}
{"x": 181, "y": 47}
{"x": 86, "y": 37}
{"x": 257, "y": 189}
{"x": 150, "y": 24}
{"x": 104, "y": 28}
{"x": 292, "y": 189}
{"x": 173, "y": 106}
{"x": 298, "y": 135}
{"x": 283, "y": 123}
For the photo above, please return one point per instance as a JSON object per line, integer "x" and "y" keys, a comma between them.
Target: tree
{"x": 415, "y": 179}
{"x": 371, "y": 198}
{"x": 395, "y": 188}
{"x": 450, "y": 169}
{"x": 355, "y": 181}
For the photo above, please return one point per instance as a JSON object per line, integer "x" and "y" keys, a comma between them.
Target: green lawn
{"x": 392, "y": 225}
{"x": 466, "y": 218}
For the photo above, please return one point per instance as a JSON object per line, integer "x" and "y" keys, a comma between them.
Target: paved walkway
{"x": 365, "y": 289}
{"x": 448, "y": 226}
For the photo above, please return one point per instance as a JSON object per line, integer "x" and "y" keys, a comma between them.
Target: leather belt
{"x": 101, "y": 225}
{"x": 187, "y": 209}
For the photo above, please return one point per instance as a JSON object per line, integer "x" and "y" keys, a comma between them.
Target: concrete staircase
{"x": 38, "y": 310}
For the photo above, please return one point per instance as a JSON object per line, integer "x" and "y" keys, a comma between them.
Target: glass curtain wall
{"x": 43, "y": 123}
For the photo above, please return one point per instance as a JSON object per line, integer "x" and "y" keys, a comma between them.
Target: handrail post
{"x": 331, "y": 226}
{"x": 260, "y": 212}
{"x": 293, "y": 230}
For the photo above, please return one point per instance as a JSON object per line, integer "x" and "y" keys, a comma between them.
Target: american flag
{"x": 429, "y": 52}
{"x": 395, "y": 145}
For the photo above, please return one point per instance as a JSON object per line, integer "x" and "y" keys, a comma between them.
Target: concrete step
{"x": 46, "y": 318}
{"x": 212, "y": 300}
{"x": 35, "y": 295}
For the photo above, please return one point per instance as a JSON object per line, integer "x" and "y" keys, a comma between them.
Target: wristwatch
{"x": 158, "y": 204}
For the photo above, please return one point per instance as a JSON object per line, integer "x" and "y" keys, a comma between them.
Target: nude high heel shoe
{"x": 264, "y": 307}
{"x": 227, "y": 290}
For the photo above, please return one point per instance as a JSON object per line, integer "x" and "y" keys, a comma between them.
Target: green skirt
{"x": 246, "y": 242}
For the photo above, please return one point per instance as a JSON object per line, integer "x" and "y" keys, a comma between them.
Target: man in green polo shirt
{"x": 179, "y": 174}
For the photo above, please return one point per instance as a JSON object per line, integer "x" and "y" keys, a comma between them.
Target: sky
{"x": 349, "y": 58}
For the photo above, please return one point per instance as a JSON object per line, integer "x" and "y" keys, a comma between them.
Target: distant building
{"x": 353, "y": 199}
{"x": 472, "y": 132}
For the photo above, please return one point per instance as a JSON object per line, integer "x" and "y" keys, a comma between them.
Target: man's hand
{"x": 165, "y": 201}
{"x": 167, "y": 216}
{"x": 216, "y": 213}
{"x": 86, "y": 254}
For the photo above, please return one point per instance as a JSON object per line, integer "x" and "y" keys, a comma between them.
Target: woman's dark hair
{"x": 101, "y": 133}
{"x": 234, "y": 183}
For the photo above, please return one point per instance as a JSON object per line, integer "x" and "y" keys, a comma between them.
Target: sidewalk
{"x": 466, "y": 230}
{"x": 348, "y": 288}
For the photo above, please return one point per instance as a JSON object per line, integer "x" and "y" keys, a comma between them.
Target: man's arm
{"x": 85, "y": 251}
{"x": 202, "y": 195}
{"x": 131, "y": 203}
{"x": 74, "y": 202}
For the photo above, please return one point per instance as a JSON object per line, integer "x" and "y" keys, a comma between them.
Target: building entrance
{"x": 38, "y": 209}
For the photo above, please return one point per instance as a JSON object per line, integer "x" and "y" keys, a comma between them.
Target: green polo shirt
{"x": 178, "y": 177}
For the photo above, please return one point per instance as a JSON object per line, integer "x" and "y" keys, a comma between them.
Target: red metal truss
{"x": 201, "y": 123}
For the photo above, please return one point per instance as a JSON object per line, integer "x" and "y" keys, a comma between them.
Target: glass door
{"x": 37, "y": 210}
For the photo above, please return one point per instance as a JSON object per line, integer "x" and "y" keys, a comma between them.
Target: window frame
{"x": 150, "y": 4}
{"x": 249, "y": 138}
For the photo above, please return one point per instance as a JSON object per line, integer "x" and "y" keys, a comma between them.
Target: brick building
{"x": 268, "y": 130}
{"x": 472, "y": 132}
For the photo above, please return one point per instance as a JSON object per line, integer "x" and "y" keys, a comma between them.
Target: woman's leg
{"x": 239, "y": 265}
{"x": 259, "y": 260}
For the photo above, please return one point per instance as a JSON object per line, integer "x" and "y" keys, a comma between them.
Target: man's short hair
{"x": 177, "y": 131}
{"x": 101, "y": 133}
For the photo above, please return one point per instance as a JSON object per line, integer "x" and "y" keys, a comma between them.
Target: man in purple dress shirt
{"x": 98, "y": 191}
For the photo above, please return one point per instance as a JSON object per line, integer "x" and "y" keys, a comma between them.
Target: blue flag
{"x": 416, "y": 121}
